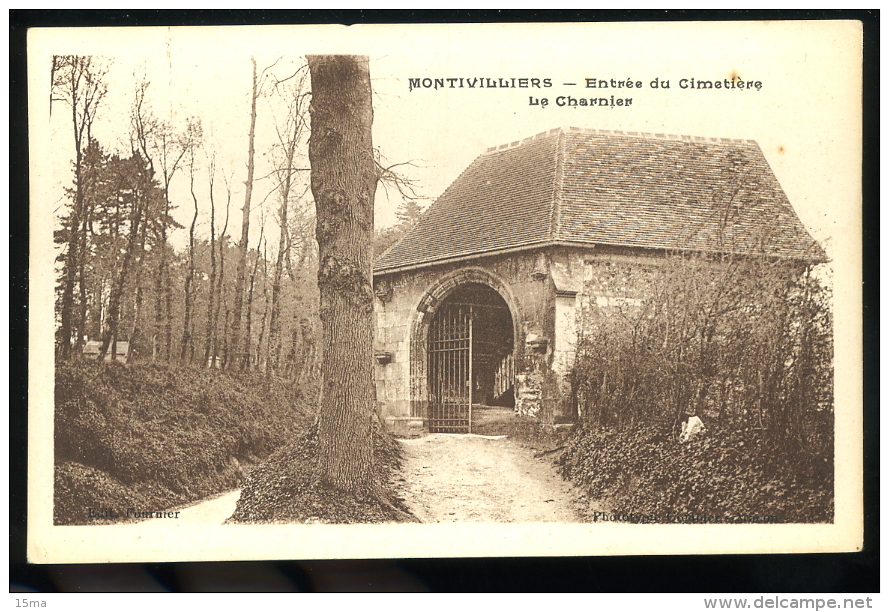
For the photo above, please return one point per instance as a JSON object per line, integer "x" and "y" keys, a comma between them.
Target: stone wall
{"x": 615, "y": 283}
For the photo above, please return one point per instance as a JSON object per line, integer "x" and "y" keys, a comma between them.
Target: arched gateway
{"x": 463, "y": 355}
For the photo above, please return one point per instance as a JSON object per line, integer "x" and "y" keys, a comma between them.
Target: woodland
{"x": 209, "y": 317}
{"x": 219, "y": 296}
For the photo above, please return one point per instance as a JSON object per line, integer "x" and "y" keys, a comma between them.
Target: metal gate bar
{"x": 450, "y": 367}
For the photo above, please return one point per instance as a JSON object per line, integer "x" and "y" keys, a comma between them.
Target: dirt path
{"x": 470, "y": 478}
{"x": 211, "y": 511}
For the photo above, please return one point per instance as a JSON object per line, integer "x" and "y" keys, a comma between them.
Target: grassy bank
{"x": 648, "y": 475}
{"x": 155, "y": 437}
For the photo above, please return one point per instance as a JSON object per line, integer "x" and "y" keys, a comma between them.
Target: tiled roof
{"x": 576, "y": 186}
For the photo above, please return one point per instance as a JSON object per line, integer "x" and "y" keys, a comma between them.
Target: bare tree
{"x": 236, "y": 350}
{"x": 262, "y": 349}
{"x": 209, "y": 336}
{"x": 301, "y": 363}
{"x": 262, "y": 83}
{"x": 79, "y": 82}
{"x": 186, "y": 350}
{"x": 220, "y": 285}
{"x": 163, "y": 148}
{"x": 289, "y": 138}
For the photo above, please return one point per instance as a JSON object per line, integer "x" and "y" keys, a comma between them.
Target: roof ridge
{"x": 594, "y": 131}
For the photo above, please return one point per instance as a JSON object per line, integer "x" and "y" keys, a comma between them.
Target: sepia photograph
{"x": 390, "y": 291}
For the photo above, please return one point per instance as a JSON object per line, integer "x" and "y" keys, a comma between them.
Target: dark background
{"x": 850, "y": 572}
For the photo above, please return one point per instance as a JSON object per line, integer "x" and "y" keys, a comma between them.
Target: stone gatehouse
{"x": 477, "y": 306}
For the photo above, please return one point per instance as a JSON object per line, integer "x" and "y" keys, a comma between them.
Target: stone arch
{"x": 426, "y": 308}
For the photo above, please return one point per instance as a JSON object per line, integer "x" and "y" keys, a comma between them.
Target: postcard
{"x": 444, "y": 290}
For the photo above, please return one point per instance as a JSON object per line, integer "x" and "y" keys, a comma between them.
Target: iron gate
{"x": 450, "y": 369}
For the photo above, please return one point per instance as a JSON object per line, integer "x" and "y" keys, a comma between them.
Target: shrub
{"x": 745, "y": 342}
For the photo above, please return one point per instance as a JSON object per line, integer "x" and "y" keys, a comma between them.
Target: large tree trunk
{"x": 344, "y": 180}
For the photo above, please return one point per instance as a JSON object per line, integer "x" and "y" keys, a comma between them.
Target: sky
{"x": 805, "y": 116}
